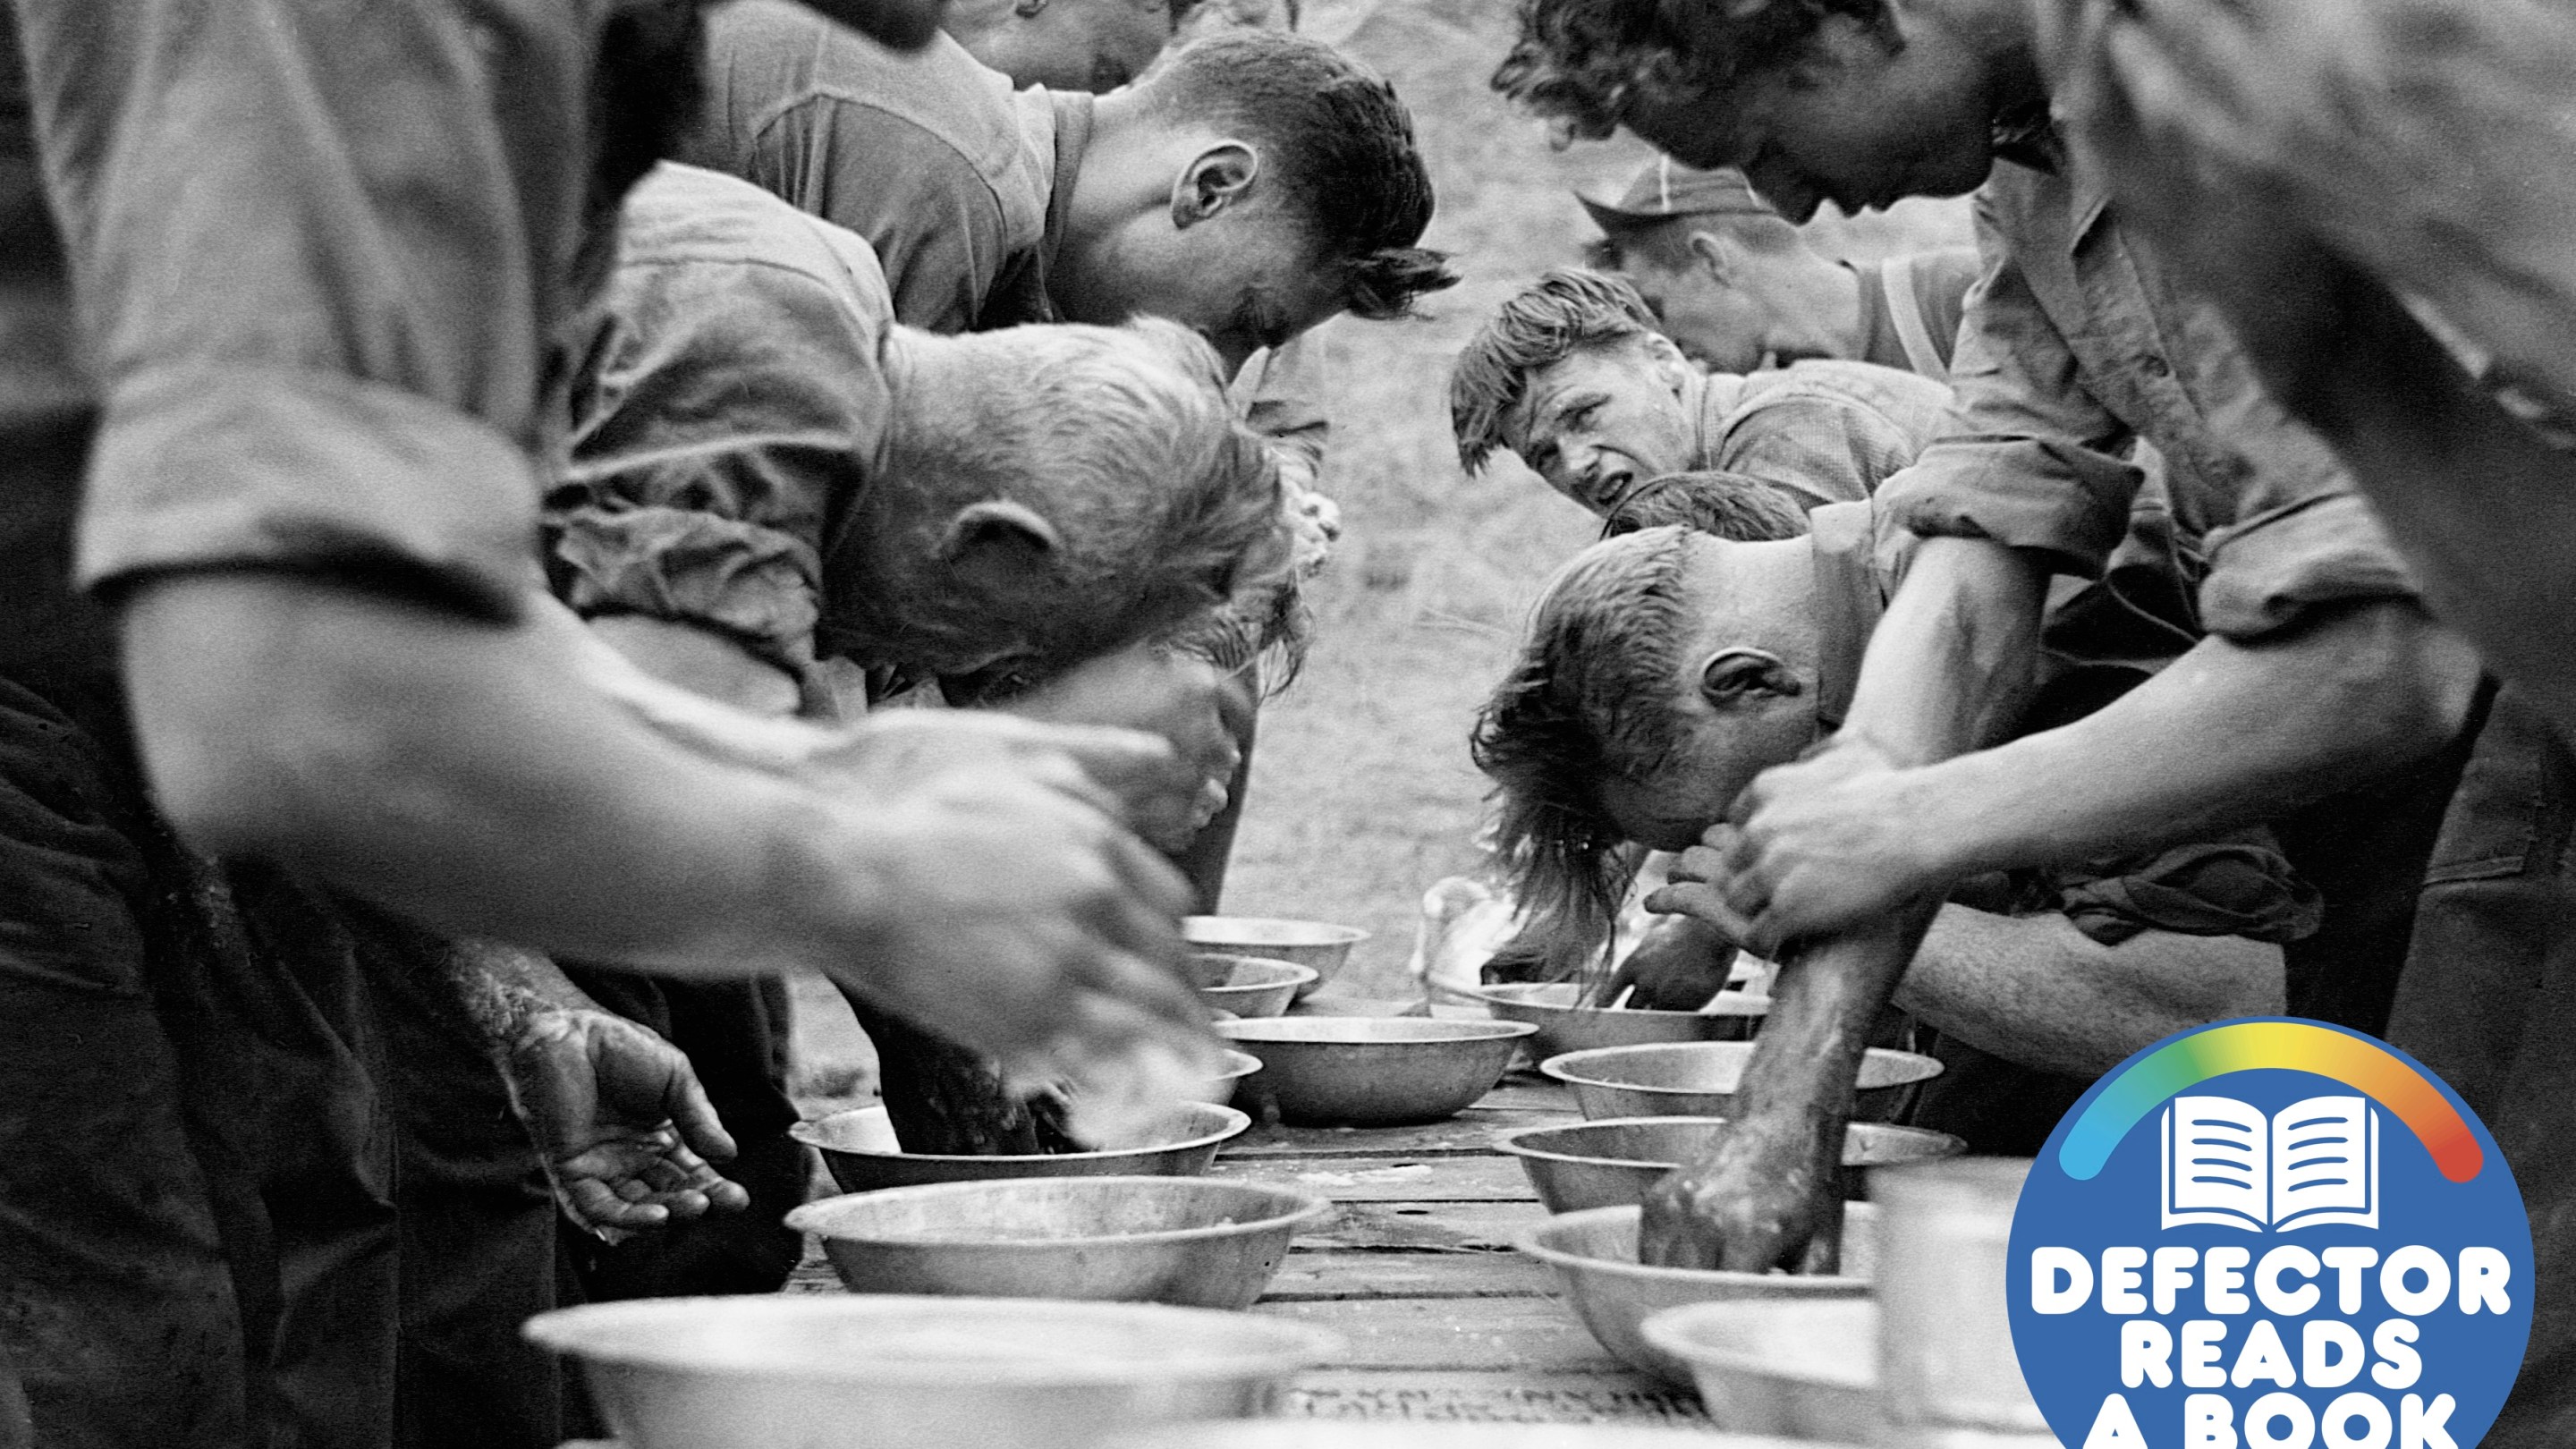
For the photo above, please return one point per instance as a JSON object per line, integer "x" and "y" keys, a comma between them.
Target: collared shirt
{"x": 1824, "y": 432}
{"x": 932, "y": 158}
{"x": 2074, "y": 345}
{"x": 1911, "y": 305}
{"x": 318, "y": 253}
{"x": 731, "y": 400}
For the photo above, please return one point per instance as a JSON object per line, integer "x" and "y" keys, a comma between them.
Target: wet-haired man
{"x": 1665, "y": 668}
{"x": 1734, "y": 284}
{"x": 2320, "y": 670}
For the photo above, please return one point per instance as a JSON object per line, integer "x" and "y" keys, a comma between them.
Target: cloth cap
{"x": 1667, "y": 189}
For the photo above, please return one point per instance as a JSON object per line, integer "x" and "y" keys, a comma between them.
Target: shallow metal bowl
{"x": 1373, "y": 1071}
{"x": 1611, "y": 1163}
{"x": 1594, "y": 1255}
{"x": 1319, "y": 944}
{"x": 1182, "y": 1240}
{"x": 1565, "y": 1027}
{"x": 1219, "y": 1089}
{"x": 895, "y": 1372}
{"x": 1250, "y": 986}
{"x": 1698, "y": 1079}
{"x": 1801, "y": 1369}
{"x": 1182, "y": 1145}
{"x": 1362, "y": 1434}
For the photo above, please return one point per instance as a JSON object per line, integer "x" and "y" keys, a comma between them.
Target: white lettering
{"x": 2425, "y": 1427}
{"x": 2483, "y": 1275}
{"x": 2208, "y": 1422}
{"x": 2399, "y": 1366}
{"x": 2172, "y": 1274}
{"x": 2146, "y": 1354}
{"x": 2338, "y": 1417}
{"x": 2264, "y": 1356}
{"x": 2287, "y": 1302}
{"x": 2200, "y": 1340}
{"x": 2349, "y": 1262}
{"x": 2120, "y": 1280}
{"x": 2047, "y": 1265}
{"x": 2274, "y": 1408}
{"x": 2223, "y": 1280}
{"x": 2415, "y": 1302}
{"x": 2115, "y": 1427}
{"x": 2331, "y": 1355}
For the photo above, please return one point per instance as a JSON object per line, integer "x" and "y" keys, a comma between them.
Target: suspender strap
{"x": 1896, "y": 281}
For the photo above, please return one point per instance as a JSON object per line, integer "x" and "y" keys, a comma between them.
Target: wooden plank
{"x": 1393, "y": 1177}
{"x": 1471, "y": 1132}
{"x": 1608, "y": 1396}
{"x": 1519, "y": 1335}
{"x": 1313, "y": 1276}
{"x": 1458, "y": 1227}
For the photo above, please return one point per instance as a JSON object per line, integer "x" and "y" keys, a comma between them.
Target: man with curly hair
{"x": 2319, "y": 670}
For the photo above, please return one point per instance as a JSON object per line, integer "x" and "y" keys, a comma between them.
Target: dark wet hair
{"x": 1584, "y": 63}
{"x": 1342, "y": 145}
{"x": 1589, "y": 698}
{"x": 1729, "y": 505}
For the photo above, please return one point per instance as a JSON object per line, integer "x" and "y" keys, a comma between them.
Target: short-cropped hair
{"x": 1338, "y": 142}
{"x": 1584, "y": 63}
{"x": 1591, "y": 697}
{"x": 1123, "y": 439}
{"x": 1567, "y": 310}
{"x": 1728, "y": 505}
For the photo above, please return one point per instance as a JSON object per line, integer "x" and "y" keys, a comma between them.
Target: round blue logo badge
{"x": 2270, "y": 1234}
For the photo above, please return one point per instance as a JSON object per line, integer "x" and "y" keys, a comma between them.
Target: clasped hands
{"x": 1838, "y": 839}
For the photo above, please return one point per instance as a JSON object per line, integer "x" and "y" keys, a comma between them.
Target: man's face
{"x": 1077, "y": 45}
{"x": 1604, "y": 420}
{"x": 1721, "y": 328}
{"x": 1244, "y": 279}
{"x": 1856, "y": 123}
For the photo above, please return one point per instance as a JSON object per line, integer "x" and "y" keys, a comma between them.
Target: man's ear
{"x": 1716, "y": 257}
{"x": 1669, "y": 361}
{"x": 1216, "y": 178}
{"x": 1741, "y": 676}
{"x": 998, "y": 542}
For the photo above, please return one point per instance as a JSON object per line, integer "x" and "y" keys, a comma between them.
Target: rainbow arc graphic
{"x": 2297, "y": 1046}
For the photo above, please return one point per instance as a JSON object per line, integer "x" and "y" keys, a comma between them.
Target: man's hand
{"x": 1758, "y": 1203}
{"x": 1008, "y": 910}
{"x": 1681, "y": 963}
{"x": 623, "y": 1126}
{"x": 1187, "y": 702}
{"x": 1824, "y": 845}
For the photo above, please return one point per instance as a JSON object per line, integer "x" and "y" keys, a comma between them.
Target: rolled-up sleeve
{"x": 736, "y": 389}
{"x": 318, "y": 251}
{"x": 2032, "y": 459}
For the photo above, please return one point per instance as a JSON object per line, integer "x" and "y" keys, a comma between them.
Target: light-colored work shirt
{"x": 1822, "y": 432}
{"x": 730, "y": 401}
{"x": 2075, "y": 344}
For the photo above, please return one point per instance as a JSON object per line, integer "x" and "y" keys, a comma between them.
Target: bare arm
{"x": 1945, "y": 669}
{"x": 499, "y": 781}
{"x": 2037, "y": 991}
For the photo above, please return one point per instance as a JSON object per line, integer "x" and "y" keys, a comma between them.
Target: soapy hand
{"x": 1824, "y": 845}
{"x": 620, "y": 1121}
{"x": 1196, "y": 709}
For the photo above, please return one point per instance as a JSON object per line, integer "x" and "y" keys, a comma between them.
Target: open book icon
{"x": 2313, "y": 1162}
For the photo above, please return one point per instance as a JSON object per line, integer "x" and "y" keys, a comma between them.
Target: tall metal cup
{"x": 1945, "y": 1348}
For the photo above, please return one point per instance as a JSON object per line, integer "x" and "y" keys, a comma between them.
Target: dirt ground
{"x": 1362, "y": 795}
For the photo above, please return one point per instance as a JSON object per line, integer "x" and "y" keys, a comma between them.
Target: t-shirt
{"x": 729, "y": 400}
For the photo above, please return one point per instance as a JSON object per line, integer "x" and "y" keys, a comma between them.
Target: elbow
{"x": 2411, "y": 681}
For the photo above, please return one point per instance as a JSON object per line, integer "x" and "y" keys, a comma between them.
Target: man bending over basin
{"x": 1665, "y": 668}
